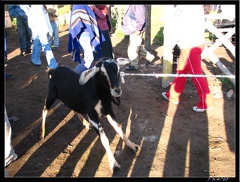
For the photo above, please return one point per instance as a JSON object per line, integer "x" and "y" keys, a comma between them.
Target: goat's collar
{"x": 104, "y": 59}
{"x": 96, "y": 62}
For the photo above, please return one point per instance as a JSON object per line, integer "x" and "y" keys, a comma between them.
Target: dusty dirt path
{"x": 174, "y": 140}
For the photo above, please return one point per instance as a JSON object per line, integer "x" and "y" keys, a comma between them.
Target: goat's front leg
{"x": 115, "y": 125}
{"x": 105, "y": 142}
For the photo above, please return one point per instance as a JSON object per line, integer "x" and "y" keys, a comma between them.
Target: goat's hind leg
{"x": 48, "y": 104}
{"x": 85, "y": 123}
{"x": 115, "y": 125}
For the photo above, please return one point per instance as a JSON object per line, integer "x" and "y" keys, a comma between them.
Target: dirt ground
{"x": 174, "y": 140}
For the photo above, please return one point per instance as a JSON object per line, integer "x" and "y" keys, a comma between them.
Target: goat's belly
{"x": 80, "y": 108}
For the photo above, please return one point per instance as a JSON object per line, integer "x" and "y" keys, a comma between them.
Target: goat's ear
{"x": 86, "y": 75}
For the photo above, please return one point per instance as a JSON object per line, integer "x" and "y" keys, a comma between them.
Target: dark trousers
{"x": 24, "y": 33}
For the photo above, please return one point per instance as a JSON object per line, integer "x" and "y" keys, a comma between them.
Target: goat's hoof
{"x": 87, "y": 125}
{"x": 41, "y": 137}
{"x": 134, "y": 146}
{"x": 115, "y": 165}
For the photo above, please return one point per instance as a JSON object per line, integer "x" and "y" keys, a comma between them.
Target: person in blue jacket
{"x": 24, "y": 32}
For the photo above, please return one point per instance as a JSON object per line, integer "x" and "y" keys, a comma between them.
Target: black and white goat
{"x": 91, "y": 94}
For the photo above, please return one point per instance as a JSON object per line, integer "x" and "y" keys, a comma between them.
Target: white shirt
{"x": 189, "y": 25}
{"x": 39, "y": 22}
{"x": 25, "y": 8}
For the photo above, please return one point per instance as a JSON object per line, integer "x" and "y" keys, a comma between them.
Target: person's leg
{"x": 88, "y": 55}
{"x": 52, "y": 63}
{"x": 21, "y": 35}
{"x": 145, "y": 54}
{"x": 6, "y": 75}
{"x": 80, "y": 67}
{"x": 133, "y": 49}
{"x": 5, "y": 44}
{"x": 106, "y": 47}
{"x": 28, "y": 34}
{"x": 56, "y": 35}
{"x": 205, "y": 97}
{"x": 10, "y": 154}
{"x": 35, "y": 57}
{"x": 86, "y": 62}
{"x": 50, "y": 41}
{"x": 178, "y": 83}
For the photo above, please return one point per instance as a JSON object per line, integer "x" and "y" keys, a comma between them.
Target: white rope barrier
{"x": 122, "y": 74}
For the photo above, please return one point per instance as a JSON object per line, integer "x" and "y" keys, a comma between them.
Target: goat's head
{"x": 110, "y": 69}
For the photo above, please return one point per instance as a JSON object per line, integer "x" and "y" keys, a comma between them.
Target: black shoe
{"x": 28, "y": 51}
{"x": 130, "y": 68}
{"x": 22, "y": 53}
{"x": 149, "y": 64}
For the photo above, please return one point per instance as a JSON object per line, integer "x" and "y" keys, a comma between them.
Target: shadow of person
{"x": 120, "y": 49}
{"x": 226, "y": 86}
{"x": 188, "y": 146}
{"x": 229, "y": 120}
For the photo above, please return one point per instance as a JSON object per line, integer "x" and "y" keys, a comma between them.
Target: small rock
{"x": 217, "y": 95}
{"x": 123, "y": 61}
{"x": 230, "y": 93}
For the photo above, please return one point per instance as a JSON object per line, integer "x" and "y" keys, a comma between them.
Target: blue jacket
{"x": 18, "y": 10}
{"x": 134, "y": 19}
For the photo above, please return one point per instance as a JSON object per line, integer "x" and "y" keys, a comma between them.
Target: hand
{"x": 93, "y": 7}
{"x": 137, "y": 32}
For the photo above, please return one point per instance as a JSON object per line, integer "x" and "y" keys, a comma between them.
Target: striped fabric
{"x": 83, "y": 19}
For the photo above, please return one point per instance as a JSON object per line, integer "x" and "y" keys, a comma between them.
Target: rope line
{"x": 174, "y": 75}
{"x": 122, "y": 74}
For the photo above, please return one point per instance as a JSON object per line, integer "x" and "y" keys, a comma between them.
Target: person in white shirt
{"x": 134, "y": 22}
{"x": 42, "y": 32}
{"x": 9, "y": 151}
{"x": 188, "y": 32}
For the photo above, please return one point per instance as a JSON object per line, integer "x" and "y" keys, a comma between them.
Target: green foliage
{"x": 227, "y": 82}
{"x": 159, "y": 38}
{"x": 212, "y": 37}
{"x": 119, "y": 34}
{"x": 157, "y": 25}
{"x": 14, "y": 22}
{"x": 64, "y": 9}
{"x": 114, "y": 24}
